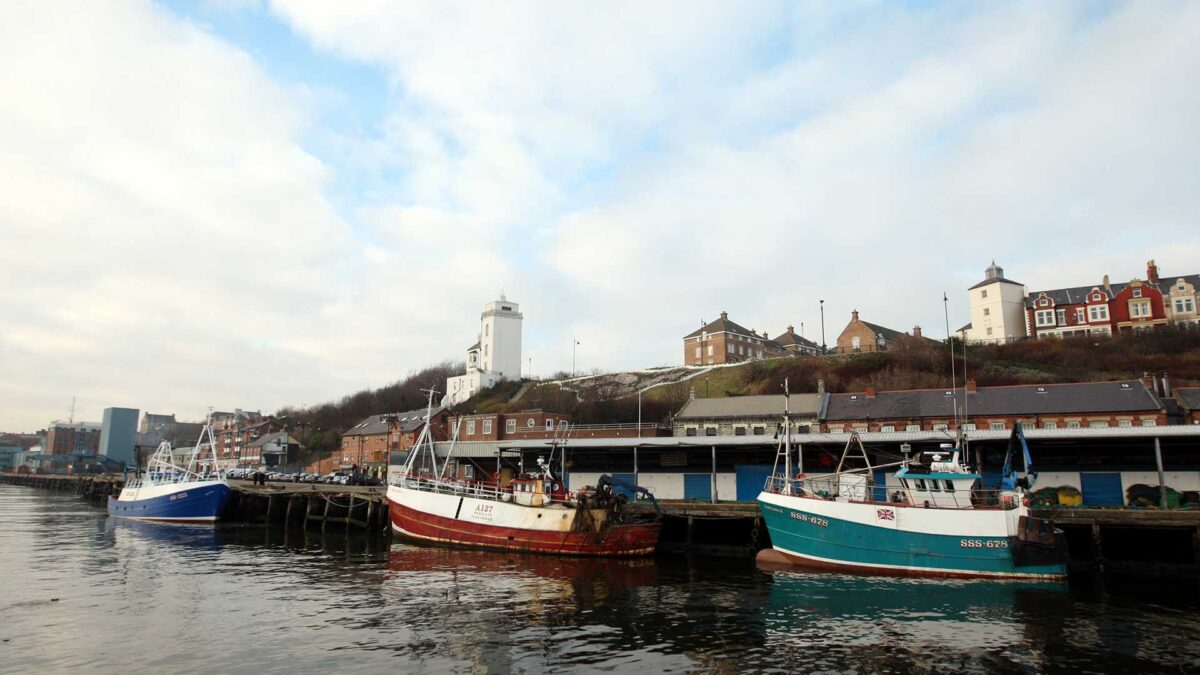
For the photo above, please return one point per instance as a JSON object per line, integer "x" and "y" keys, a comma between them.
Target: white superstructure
{"x": 497, "y": 354}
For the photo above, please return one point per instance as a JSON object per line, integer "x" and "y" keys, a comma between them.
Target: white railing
{"x": 478, "y": 489}
{"x": 832, "y": 487}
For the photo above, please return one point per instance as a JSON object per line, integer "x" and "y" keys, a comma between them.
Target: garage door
{"x": 1101, "y": 489}
{"x": 750, "y": 480}
{"x": 697, "y": 486}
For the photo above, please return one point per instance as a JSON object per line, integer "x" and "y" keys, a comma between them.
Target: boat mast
{"x": 787, "y": 431}
{"x": 953, "y": 368}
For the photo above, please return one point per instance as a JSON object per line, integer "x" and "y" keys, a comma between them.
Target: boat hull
{"x": 469, "y": 521}
{"x": 196, "y": 502}
{"x": 868, "y": 538}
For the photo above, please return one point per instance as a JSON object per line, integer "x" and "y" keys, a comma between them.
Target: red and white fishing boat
{"x": 532, "y": 512}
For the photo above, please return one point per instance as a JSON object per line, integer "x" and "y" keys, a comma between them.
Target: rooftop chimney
{"x": 765, "y": 336}
{"x": 1151, "y": 272}
{"x": 916, "y": 331}
{"x": 1148, "y": 380}
{"x": 725, "y": 315}
{"x": 970, "y": 385}
{"x": 1106, "y": 285}
{"x": 1166, "y": 385}
{"x": 820, "y": 386}
{"x": 870, "y": 392}
{"x": 854, "y": 315}
{"x": 791, "y": 329}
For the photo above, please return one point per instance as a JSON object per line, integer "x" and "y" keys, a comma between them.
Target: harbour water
{"x": 85, "y": 593}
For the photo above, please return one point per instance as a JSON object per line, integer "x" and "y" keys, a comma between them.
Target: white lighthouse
{"x": 495, "y": 356}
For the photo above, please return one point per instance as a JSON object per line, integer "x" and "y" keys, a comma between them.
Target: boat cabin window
{"x": 904, "y": 483}
{"x": 933, "y": 485}
{"x": 921, "y": 484}
{"x": 949, "y": 486}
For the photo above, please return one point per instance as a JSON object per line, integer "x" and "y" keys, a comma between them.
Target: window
{"x": 987, "y": 311}
{"x": 1049, "y": 425}
{"x": 949, "y": 485}
{"x": 940, "y": 427}
{"x": 1139, "y": 310}
{"x": 697, "y": 352}
{"x": 1044, "y": 317}
{"x": 989, "y": 331}
{"x": 1185, "y": 305}
{"x": 933, "y": 485}
{"x": 759, "y": 431}
{"x": 1137, "y": 292}
{"x": 1098, "y": 424}
{"x": 529, "y": 423}
{"x": 710, "y": 350}
{"x": 1061, "y": 315}
{"x": 729, "y": 348}
{"x": 996, "y": 426}
{"x": 920, "y": 484}
{"x": 1079, "y": 315}
{"x": 1072, "y": 425}
{"x": 1149, "y": 423}
{"x": 1124, "y": 424}
{"x": 510, "y": 426}
{"x": 739, "y": 431}
{"x": 487, "y": 426}
{"x": 968, "y": 427}
{"x": 549, "y": 424}
{"x": 1044, "y": 302}
{"x": 471, "y": 428}
{"x": 1098, "y": 313}
{"x": 690, "y": 431}
{"x": 887, "y": 428}
{"x": 912, "y": 427}
{"x": 856, "y": 343}
{"x": 710, "y": 431}
{"x": 983, "y": 294}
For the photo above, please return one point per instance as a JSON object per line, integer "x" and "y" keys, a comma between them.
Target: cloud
{"x": 623, "y": 170}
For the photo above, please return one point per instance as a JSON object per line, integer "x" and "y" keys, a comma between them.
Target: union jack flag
{"x": 885, "y": 514}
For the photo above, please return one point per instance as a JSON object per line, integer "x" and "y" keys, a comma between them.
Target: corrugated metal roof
{"x": 1045, "y": 399}
{"x": 749, "y": 406}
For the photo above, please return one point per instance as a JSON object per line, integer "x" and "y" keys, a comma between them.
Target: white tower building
{"x": 997, "y": 308}
{"x": 496, "y": 356}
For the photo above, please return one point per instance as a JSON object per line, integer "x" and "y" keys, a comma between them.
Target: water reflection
{"x": 121, "y": 595}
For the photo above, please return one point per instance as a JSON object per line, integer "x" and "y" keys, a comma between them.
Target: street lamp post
{"x": 574, "y": 343}
{"x": 823, "y": 349}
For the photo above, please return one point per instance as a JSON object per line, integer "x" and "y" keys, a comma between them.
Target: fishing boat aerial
{"x": 195, "y": 492}
{"x": 532, "y": 512}
{"x": 938, "y": 521}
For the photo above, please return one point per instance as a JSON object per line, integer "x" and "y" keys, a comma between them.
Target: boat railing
{"x": 467, "y": 488}
{"x": 862, "y": 489}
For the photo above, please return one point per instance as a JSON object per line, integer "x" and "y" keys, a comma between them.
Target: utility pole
{"x": 574, "y": 343}
{"x": 823, "y": 349}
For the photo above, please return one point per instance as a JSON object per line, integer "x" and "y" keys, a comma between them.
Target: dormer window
{"x": 1137, "y": 292}
{"x": 1044, "y": 302}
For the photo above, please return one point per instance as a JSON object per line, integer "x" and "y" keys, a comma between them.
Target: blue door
{"x": 697, "y": 486}
{"x": 880, "y": 489}
{"x": 750, "y": 480}
{"x": 1101, "y": 489}
{"x": 628, "y": 478}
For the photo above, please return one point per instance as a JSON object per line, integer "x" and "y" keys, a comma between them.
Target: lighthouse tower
{"x": 495, "y": 356}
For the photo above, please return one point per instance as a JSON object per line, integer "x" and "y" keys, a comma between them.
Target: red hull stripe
{"x": 621, "y": 540}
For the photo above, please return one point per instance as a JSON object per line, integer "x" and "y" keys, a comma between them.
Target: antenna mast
{"x": 953, "y": 368}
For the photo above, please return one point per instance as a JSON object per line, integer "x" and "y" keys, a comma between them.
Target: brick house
{"x": 73, "y": 438}
{"x": 863, "y": 336}
{"x": 1048, "y": 406}
{"x": 794, "y": 344}
{"x": 1107, "y": 308}
{"x": 723, "y": 341}
{"x": 367, "y": 443}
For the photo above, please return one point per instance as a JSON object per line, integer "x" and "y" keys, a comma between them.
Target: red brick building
{"x": 73, "y": 438}
{"x": 1189, "y": 402}
{"x": 510, "y": 426}
{"x": 1126, "y": 403}
{"x": 368, "y": 443}
{"x": 862, "y": 336}
{"x": 1107, "y": 308}
{"x": 724, "y": 341}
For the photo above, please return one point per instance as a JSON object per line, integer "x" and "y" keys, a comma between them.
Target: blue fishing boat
{"x": 195, "y": 491}
{"x": 938, "y": 521}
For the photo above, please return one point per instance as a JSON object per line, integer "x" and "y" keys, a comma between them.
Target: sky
{"x": 252, "y": 204}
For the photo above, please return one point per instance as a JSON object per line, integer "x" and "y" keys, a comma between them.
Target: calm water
{"x": 83, "y": 593}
